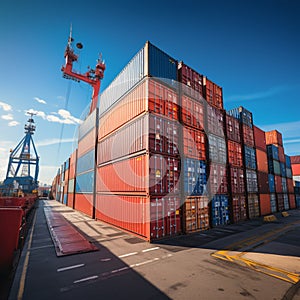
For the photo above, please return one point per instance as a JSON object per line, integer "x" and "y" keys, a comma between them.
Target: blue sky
{"x": 250, "y": 48}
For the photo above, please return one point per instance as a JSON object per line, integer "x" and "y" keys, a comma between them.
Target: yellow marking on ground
{"x": 25, "y": 266}
{"x": 270, "y": 218}
{"x": 259, "y": 267}
{"x": 285, "y": 214}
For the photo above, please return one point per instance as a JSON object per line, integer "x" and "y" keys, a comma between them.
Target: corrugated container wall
{"x": 259, "y": 139}
{"x": 213, "y": 93}
{"x": 273, "y": 137}
{"x": 149, "y": 61}
{"x": 233, "y": 128}
{"x": 242, "y": 114}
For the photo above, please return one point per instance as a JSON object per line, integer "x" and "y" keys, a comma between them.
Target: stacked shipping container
{"x": 195, "y": 213}
{"x": 164, "y": 159}
{"x": 249, "y": 159}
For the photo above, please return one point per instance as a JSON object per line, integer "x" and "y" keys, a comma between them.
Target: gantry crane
{"x": 23, "y": 161}
{"x": 92, "y": 76}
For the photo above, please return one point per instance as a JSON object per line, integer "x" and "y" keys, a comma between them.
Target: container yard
{"x": 161, "y": 156}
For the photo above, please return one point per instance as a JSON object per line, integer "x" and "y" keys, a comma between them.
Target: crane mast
{"x": 92, "y": 76}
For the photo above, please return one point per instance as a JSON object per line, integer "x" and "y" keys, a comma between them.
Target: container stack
{"x": 65, "y": 181}
{"x": 86, "y": 165}
{"x": 266, "y": 187}
{"x": 236, "y": 180}
{"x": 295, "y": 165}
{"x": 193, "y": 155}
{"x": 138, "y": 165}
{"x": 72, "y": 179}
{"x": 217, "y": 154}
{"x": 277, "y": 167}
{"x": 289, "y": 182}
{"x": 249, "y": 156}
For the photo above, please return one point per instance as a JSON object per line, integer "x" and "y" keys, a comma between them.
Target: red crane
{"x": 92, "y": 76}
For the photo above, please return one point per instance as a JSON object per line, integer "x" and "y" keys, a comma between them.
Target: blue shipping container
{"x": 271, "y": 183}
{"x": 297, "y": 198}
{"x": 242, "y": 114}
{"x": 288, "y": 161}
{"x": 85, "y": 183}
{"x": 65, "y": 201}
{"x": 219, "y": 210}
{"x": 195, "y": 178}
{"x": 282, "y": 169}
{"x": 272, "y": 152}
{"x": 67, "y": 164}
{"x": 250, "y": 157}
{"x": 288, "y": 172}
{"x": 86, "y": 162}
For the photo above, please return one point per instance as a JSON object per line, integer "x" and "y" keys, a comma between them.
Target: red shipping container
{"x": 237, "y": 180}
{"x": 278, "y": 184}
{"x": 131, "y": 213}
{"x": 84, "y": 203}
{"x": 155, "y": 174}
{"x": 265, "y": 204}
{"x": 280, "y": 202}
{"x": 295, "y": 159}
{"x": 73, "y": 160}
{"x": 273, "y": 137}
{"x": 151, "y": 218}
{"x": 213, "y": 93}
{"x": 263, "y": 182}
{"x": 296, "y": 169}
{"x": 235, "y": 157}
{"x": 192, "y": 112}
{"x": 132, "y": 105}
{"x": 87, "y": 143}
{"x": 233, "y": 128}
{"x": 292, "y": 201}
{"x": 215, "y": 121}
{"x": 281, "y": 154}
{"x": 162, "y": 100}
{"x": 239, "y": 208}
{"x": 191, "y": 80}
{"x": 248, "y": 135}
{"x": 290, "y": 185}
{"x": 217, "y": 179}
{"x": 194, "y": 143}
{"x": 262, "y": 161}
{"x": 71, "y": 197}
{"x": 10, "y": 224}
{"x": 259, "y": 139}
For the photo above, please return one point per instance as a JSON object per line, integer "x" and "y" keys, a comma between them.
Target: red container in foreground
{"x": 237, "y": 180}
{"x": 263, "y": 182}
{"x": 278, "y": 184}
{"x": 248, "y": 135}
{"x": 262, "y": 161}
{"x": 217, "y": 179}
{"x": 265, "y": 204}
{"x": 150, "y": 218}
{"x": 194, "y": 143}
{"x": 10, "y": 224}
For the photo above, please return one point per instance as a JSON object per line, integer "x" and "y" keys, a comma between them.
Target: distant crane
{"x": 22, "y": 161}
{"x": 92, "y": 76}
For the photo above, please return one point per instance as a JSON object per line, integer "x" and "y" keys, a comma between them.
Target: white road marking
{"x": 144, "y": 262}
{"x": 70, "y": 268}
{"x": 86, "y": 279}
{"x": 166, "y": 256}
{"x": 127, "y": 254}
{"x": 150, "y": 249}
{"x": 119, "y": 270}
{"x": 105, "y": 259}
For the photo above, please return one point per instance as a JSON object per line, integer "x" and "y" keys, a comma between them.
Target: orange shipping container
{"x": 296, "y": 169}
{"x": 84, "y": 203}
{"x": 87, "y": 143}
{"x": 259, "y": 139}
{"x": 262, "y": 161}
{"x": 278, "y": 184}
{"x": 71, "y": 197}
{"x": 73, "y": 159}
{"x": 265, "y": 204}
{"x": 290, "y": 185}
{"x": 273, "y": 137}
